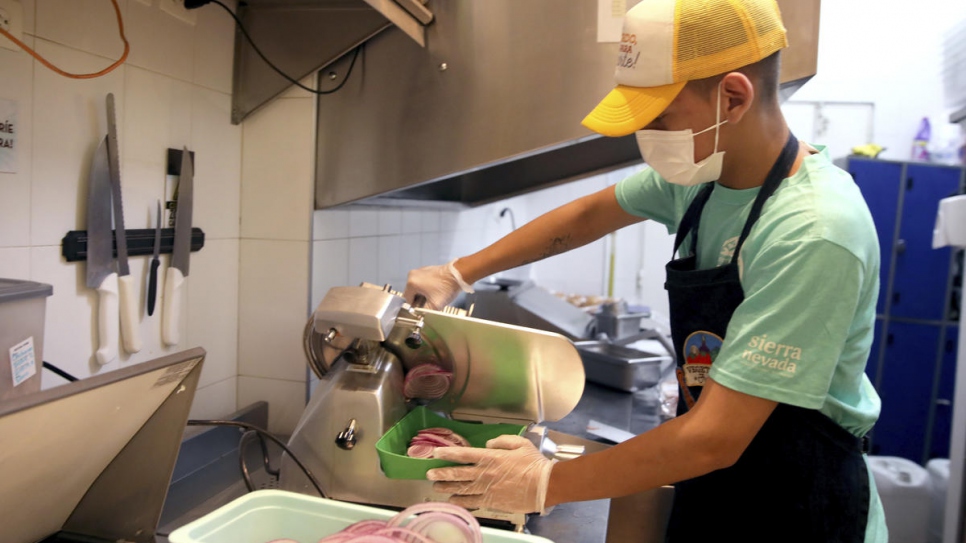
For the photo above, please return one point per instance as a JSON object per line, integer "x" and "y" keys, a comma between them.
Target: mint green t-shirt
{"x": 810, "y": 274}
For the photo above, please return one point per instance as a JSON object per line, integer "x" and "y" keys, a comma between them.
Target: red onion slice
{"x": 420, "y": 451}
{"x": 427, "y": 382}
{"x": 433, "y": 523}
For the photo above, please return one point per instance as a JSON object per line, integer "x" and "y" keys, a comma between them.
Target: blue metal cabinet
{"x": 905, "y": 389}
{"x": 943, "y": 410}
{"x": 921, "y": 272}
{"x": 880, "y": 182}
{"x": 909, "y": 363}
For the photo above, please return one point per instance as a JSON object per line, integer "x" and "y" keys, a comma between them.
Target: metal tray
{"x": 620, "y": 367}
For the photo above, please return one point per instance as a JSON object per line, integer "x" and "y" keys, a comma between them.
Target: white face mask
{"x": 671, "y": 153}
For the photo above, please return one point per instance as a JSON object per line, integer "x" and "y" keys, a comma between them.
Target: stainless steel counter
{"x": 583, "y": 522}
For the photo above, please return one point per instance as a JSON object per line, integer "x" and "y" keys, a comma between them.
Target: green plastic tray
{"x": 265, "y": 515}
{"x": 392, "y": 446}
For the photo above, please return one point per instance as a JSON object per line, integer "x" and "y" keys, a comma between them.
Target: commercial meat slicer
{"x": 361, "y": 341}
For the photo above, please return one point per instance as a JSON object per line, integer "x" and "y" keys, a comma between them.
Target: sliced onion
{"x": 427, "y": 382}
{"x": 420, "y": 451}
{"x": 433, "y": 523}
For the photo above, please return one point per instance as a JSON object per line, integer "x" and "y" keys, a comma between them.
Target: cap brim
{"x": 628, "y": 109}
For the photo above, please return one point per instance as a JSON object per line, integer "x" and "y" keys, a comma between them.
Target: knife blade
{"x": 100, "y": 255}
{"x": 177, "y": 272}
{"x": 155, "y": 264}
{"x": 130, "y": 334}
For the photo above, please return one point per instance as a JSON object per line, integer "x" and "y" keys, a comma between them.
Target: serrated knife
{"x": 177, "y": 272}
{"x": 127, "y": 299}
{"x": 100, "y": 255}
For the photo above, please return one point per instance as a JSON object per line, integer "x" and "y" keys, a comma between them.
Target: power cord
{"x": 195, "y": 4}
{"x": 105, "y": 71}
{"x": 261, "y": 432}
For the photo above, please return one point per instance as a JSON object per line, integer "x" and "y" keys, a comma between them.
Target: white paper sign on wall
{"x": 9, "y": 127}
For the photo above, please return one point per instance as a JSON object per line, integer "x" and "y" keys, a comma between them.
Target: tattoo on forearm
{"x": 557, "y": 245}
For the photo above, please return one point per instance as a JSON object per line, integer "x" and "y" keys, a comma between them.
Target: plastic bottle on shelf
{"x": 920, "y": 145}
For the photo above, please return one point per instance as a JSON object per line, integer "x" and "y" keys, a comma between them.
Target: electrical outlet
{"x": 11, "y": 20}
{"x": 176, "y": 8}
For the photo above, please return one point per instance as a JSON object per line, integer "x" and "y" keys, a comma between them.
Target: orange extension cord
{"x": 105, "y": 71}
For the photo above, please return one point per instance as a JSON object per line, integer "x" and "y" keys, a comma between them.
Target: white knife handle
{"x": 107, "y": 320}
{"x": 171, "y": 312}
{"x": 130, "y": 331}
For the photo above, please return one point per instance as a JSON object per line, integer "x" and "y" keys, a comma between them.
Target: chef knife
{"x": 177, "y": 271}
{"x": 155, "y": 263}
{"x": 100, "y": 255}
{"x": 130, "y": 334}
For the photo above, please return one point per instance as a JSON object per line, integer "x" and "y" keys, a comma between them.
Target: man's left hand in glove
{"x": 509, "y": 475}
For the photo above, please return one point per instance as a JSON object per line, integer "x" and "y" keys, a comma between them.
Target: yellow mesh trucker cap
{"x": 666, "y": 43}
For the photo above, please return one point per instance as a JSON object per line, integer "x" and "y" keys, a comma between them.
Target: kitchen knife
{"x": 155, "y": 263}
{"x": 127, "y": 300}
{"x": 178, "y": 269}
{"x": 100, "y": 255}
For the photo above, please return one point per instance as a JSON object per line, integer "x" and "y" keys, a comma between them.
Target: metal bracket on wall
{"x": 302, "y": 37}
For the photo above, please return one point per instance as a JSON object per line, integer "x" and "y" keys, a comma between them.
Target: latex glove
{"x": 439, "y": 284}
{"x": 510, "y": 475}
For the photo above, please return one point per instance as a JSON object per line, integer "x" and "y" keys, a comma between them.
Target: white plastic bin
{"x": 938, "y": 469}
{"x": 23, "y": 306}
{"x": 906, "y": 493}
{"x": 265, "y": 515}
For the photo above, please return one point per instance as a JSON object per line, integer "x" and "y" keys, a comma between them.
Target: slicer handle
{"x": 171, "y": 312}
{"x": 419, "y": 301}
{"x": 107, "y": 320}
{"x": 130, "y": 330}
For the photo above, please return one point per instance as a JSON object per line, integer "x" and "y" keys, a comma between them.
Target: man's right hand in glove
{"x": 438, "y": 284}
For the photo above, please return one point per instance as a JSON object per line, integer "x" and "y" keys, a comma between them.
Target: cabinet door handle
{"x": 943, "y": 401}
{"x": 950, "y": 345}
{"x": 908, "y": 183}
{"x": 896, "y": 297}
{"x": 900, "y": 246}
{"x": 889, "y": 338}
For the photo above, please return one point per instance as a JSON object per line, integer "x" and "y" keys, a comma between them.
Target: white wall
{"x": 888, "y": 52}
{"x": 174, "y": 90}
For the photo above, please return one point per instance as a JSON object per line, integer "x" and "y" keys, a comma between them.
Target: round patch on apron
{"x": 700, "y": 350}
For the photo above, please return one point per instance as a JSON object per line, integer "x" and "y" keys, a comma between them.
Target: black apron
{"x": 803, "y": 477}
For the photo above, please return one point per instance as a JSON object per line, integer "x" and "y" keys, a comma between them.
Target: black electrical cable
{"x": 59, "y": 371}
{"x": 194, "y": 4}
{"x": 252, "y": 427}
{"x": 242, "y": 443}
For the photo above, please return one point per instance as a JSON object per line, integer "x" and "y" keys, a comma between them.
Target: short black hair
{"x": 764, "y": 74}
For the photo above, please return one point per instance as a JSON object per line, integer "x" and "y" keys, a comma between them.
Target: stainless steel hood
{"x": 489, "y": 108}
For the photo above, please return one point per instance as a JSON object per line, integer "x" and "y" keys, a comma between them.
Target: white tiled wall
{"x": 173, "y": 91}
{"x": 276, "y": 249}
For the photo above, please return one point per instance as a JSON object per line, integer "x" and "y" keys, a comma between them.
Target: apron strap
{"x": 691, "y": 218}
{"x": 776, "y": 175}
{"x": 779, "y": 170}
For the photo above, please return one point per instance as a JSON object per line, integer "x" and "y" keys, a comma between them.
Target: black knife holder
{"x": 139, "y": 242}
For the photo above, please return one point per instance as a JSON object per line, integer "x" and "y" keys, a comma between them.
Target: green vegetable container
{"x": 393, "y": 445}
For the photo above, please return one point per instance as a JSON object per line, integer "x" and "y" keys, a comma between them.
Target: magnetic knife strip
{"x": 139, "y": 242}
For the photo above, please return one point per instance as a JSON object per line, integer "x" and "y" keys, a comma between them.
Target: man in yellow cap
{"x": 781, "y": 284}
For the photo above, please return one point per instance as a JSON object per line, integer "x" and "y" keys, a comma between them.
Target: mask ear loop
{"x": 717, "y": 118}
{"x": 717, "y": 123}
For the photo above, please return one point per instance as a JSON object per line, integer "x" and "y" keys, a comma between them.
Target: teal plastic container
{"x": 393, "y": 445}
{"x": 265, "y": 515}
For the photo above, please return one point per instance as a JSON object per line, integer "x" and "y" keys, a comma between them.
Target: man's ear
{"x": 737, "y": 95}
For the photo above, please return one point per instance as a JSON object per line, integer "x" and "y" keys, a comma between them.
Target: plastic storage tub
{"x": 22, "y": 309}
{"x": 393, "y": 445}
{"x": 265, "y": 515}
{"x": 938, "y": 469}
{"x": 905, "y": 489}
